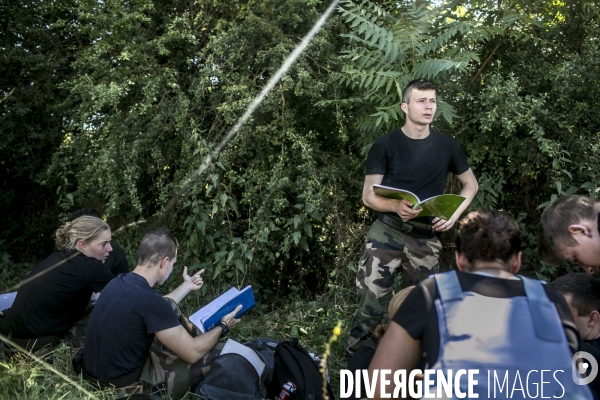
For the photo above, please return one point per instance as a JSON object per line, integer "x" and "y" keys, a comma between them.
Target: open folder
{"x": 209, "y": 316}
{"x": 6, "y": 300}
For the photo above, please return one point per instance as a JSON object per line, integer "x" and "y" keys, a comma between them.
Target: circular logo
{"x": 583, "y": 361}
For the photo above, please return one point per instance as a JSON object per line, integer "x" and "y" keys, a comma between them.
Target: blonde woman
{"x": 55, "y": 294}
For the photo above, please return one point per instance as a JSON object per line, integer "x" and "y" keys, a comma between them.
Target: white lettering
{"x": 399, "y": 384}
{"x": 457, "y": 392}
{"x": 412, "y": 384}
{"x": 345, "y": 374}
{"x": 472, "y": 383}
{"x": 383, "y": 382}
{"x": 505, "y": 381}
{"x": 427, "y": 383}
{"x": 534, "y": 384}
{"x": 370, "y": 385}
{"x": 357, "y": 390}
{"x": 542, "y": 384}
{"x": 562, "y": 387}
{"x": 444, "y": 383}
{"x": 518, "y": 376}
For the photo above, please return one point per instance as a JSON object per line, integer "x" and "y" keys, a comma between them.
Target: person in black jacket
{"x": 55, "y": 295}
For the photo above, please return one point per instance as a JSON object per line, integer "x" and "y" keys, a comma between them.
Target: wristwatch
{"x": 224, "y": 327}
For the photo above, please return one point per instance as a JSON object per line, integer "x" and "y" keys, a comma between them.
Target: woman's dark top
{"x": 53, "y": 302}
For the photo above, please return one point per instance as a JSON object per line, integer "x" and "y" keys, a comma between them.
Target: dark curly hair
{"x": 488, "y": 235}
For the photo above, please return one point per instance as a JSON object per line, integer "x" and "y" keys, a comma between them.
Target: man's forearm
{"x": 468, "y": 191}
{"x": 379, "y": 203}
{"x": 190, "y": 349}
{"x": 205, "y": 343}
{"x": 180, "y": 292}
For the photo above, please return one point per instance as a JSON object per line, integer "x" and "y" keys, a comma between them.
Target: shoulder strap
{"x": 543, "y": 312}
{"x": 448, "y": 286}
{"x": 237, "y": 348}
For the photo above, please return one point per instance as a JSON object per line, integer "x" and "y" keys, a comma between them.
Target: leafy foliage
{"x": 516, "y": 100}
{"x": 35, "y": 54}
{"x": 393, "y": 44}
{"x": 161, "y": 84}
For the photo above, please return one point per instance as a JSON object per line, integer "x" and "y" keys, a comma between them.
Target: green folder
{"x": 442, "y": 206}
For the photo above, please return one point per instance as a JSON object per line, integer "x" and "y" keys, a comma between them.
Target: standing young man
{"x": 415, "y": 158}
{"x": 569, "y": 231}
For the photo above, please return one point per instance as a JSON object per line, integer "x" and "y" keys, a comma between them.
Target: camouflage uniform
{"x": 388, "y": 250}
{"x": 167, "y": 372}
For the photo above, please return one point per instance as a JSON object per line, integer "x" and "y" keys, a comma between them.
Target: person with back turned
{"x": 514, "y": 333}
{"x": 136, "y": 335}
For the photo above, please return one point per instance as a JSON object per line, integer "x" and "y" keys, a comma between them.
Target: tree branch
{"x": 487, "y": 60}
{"x": 6, "y": 97}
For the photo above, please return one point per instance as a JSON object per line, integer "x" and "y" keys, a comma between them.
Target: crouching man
{"x": 582, "y": 292}
{"x": 120, "y": 345}
{"x": 569, "y": 230}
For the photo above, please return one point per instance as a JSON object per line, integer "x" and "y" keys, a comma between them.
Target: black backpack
{"x": 294, "y": 364}
{"x": 233, "y": 377}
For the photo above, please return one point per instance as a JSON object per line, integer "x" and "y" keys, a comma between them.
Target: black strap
{"x": 405, "y": 226}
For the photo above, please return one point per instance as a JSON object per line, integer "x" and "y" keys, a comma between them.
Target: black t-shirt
{"x": 418, "y": 315}
{"x": 417, "y": 165}
{"x": 122, "y": 326}
{"x": 593, "y": 347}
{"x": 55, "y": 301}
{"x": 116, "y": 260}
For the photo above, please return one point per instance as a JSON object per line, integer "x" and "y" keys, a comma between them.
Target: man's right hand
{"x": 405, "y": 211}
{"x": 230, "y": 319}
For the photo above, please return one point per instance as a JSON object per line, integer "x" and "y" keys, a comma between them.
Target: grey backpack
{"x": 240, "y": 372}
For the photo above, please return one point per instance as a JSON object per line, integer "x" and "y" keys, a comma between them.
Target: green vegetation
{"x": 115, "y": 105}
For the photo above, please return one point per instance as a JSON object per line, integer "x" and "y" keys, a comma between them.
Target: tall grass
{"x": 311, "y": 320}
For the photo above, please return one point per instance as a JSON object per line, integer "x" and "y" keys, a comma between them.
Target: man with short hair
{"x": 416, "y": 158}
{"x": 569, "y": 230}
{"x": 130, "y": 314}
{"x": 582, "y": 292}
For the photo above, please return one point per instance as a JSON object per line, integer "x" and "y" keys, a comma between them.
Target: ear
{"x": 515, "y": 263}
{"x": 81, "y": 245}
{"x": 404, "y": 107}
{"x": 461, "y": 261}
{"x": 164, "y": 262}
{"x": 593, "y": 318}
{"x": 580, "y": 229}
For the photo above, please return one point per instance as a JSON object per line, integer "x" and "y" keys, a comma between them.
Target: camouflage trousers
{"x": 388, "y": 251}
{"x": 166, "y": 372}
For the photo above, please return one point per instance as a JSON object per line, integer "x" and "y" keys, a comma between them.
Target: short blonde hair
{"x": 84, "y": 228}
